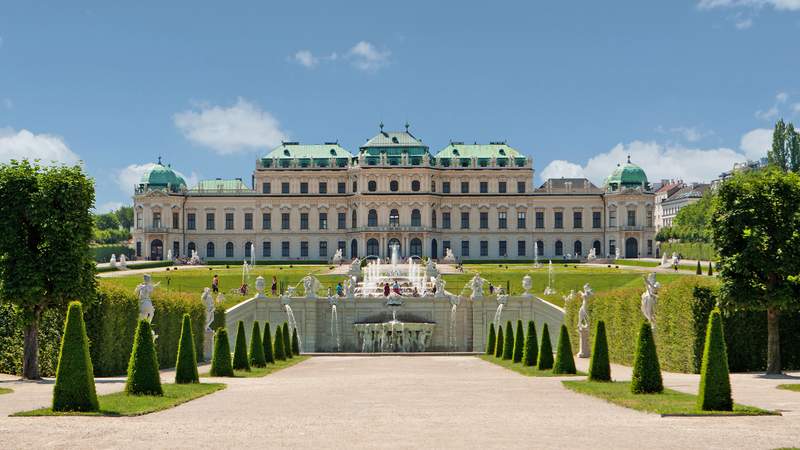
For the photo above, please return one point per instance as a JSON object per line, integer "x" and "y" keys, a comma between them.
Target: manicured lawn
{"x": 641, "y": 263}
{"x": 122, "y": 404}
{"x": 5, "y": 391}
{"x": 667, "y": 403}
{"x": 790, "y": 387}
{"x": 256, "y": 372}
{"x": 524, "y": 370}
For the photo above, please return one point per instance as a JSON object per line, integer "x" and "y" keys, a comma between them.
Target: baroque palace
{"x": 308, "y": 200}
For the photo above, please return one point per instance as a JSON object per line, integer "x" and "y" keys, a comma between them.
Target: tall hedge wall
{"x": 681, "y": 317}
{"x": 689, "y": 250}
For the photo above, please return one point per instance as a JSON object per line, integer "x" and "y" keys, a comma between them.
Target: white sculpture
{"x": 350, "y": 287}
{"x": 195, "y": 259}
{"x": 664, "y": 261}
{"x": 337, "y": 257}
{"x": 123, "y": 262}
{"x": 208, "y": 301}
{"x": 169, "y": 254}
{"x": 675, "y": 259}
{"x": 592, "y": 255}
{"x": 527, "y": 285}
{"x": 448, "y": 256}
{"x": 439, "y": 283}
{"x": 220, "y": 297}
{"x": 113, "y": 261}
{"x": 476, "y": 284}
{"x": 569, "y": 297}
{"x": 430, "y": 269}
{"x": 583, "y": 321}
{"x": 355, "y": 268}
{"x": 260, "y": 286}
{"x": 310, "y": 286}
{"x": 617, "y": 253}
{"x": 650, "y": 298}
{"x": 143, "y": 292}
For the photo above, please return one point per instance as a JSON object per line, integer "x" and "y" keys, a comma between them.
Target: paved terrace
{"x": 400, "y": 402}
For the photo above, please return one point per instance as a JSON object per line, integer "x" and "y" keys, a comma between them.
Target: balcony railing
{"x": 153, "y": 229}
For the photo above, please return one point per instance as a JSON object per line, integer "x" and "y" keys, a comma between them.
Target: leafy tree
{"x": 646, "y": 378}
{"x": 221, "y": 364}
{"x": 715, "y": 383}
{"x": 519, "y": 342}
{"x": 269, "y": 354}
{"x": 295, "y": 342}
{"x": 490, "y": 341}
{"x": 45, "y": 231}
{"x": 257, "y": 358}
{"x": 508, "y": 342}
{"x": 785, "y": 151}
{"x": 240, "y": 360}
{"x": 143, "y": 376}
{"x": 74, "y": 389}
{"x": 546, "y": 351}
{"x": 107, "y": 221}
{"x": 125, "y": 216}
{"x": 498, "y": 346}
{"x": 599, "y": 366}
{"x": 186, "y": 365}
{"x": 565, "y": 363}
{"x": 755, "y": 230}
{"x": 531, "y": 353}
{"x": 692, "y": 221}
{"x": 287, "y": 341}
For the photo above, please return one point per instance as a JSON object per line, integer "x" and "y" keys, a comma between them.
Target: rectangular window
{"x": 285, "y": 249}
{"x": 266, "y": 187}
{"x": 355, "y": 186}
{"x": 577, "y": 219}
{"x": 484, "y": 187}
{"x": 539, "y": 219}
{"x": 502, "y": 249}
{"x": 304, "y": 249}
{"x": 284, "y": 221}
{"x": 649, "y": 246}
{"x": 465, "y": 187}
{"x": 520, "y": 187}
{"x": 323, "y": 221}
{"x": 521, "y": 220}
{"x": 191, "y": 220}
{"x": 540, "y": 248}
{"x": 521, "y": 248}
{"x": 501, "y": 187}
{"x": 341, "y": 187}
{"x": 484, "y": 220}
{"x": 156, "y": 220}
{"x": 631, "y": 217}
{"x": 465, "y": 220}
{"x": 612, "y": 218}
{"x": 484, "y": 248}
{"x": 303, "y": 221}
{"x": 284, "y": 188}
{"x": 323, "y": 249}
{"x": 649, "y": 217}
{"x": 445, "y": 187}
{"x": 138, "y": 249}
{"x": 323, "y": 187}
{"x": 464, "y": 248}
{"x": 341, "y": 221}
{"x": 248, "y": 221}
{"x": 446, "y": 220}
{"x": 596, "y": 218}
{"x": 266, "y": 249}
{"x": 612, "y": 247}
{"x": 229, "y": 250}
{"x": 304, "y": 188}
{"x": 138, "y": 220}
{"x": 433, "y": 186}
{"x": 502, "y": 220}
{"x": 558, "y": 219}
{"x": 228, "y": 221}
{"x": 175, "y": 220}
{"x": 209, "y": 221}
{"x": 266, "y": 221}
{"x": 210, "y": 250}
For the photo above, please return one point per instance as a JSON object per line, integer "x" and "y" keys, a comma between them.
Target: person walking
{"x": 215, "y": 283}
{"x": 274, "y": 286}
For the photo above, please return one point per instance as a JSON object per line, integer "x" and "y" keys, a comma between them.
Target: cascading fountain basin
{"x": 393, "y": 332}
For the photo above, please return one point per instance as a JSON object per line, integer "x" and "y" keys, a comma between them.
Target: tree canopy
{"x": 692, "y": 222}
{"x": 785, "y": 151}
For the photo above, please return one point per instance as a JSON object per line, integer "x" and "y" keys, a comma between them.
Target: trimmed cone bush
{"x": 599, "y": 366}
{"x": 710, "y": 270}
{"x": 490, "y": 340}
{"x": 143, "y": 376}
{"x": 287, "y": 341}
{"x": 269, "y": 355}
{"x": 498, "y": 346}
{"x": 240, "y": 360}
{"x": 508, "y": 342}
{"x": 257, "y": 358}
{"x": 295, "y": 342}
{"x": 715, "y": 383}
{"x": 546, "y": 351}
{"x": 74, "y": 389}
{"x": 699, "y": 271}
{"x": 280, "y": 349}
{"x": 531, "y": 352}
{"x": 519, "y": 343}
{"x": 646, "y": 377}
{"x": 186, "y": 365}
{"x": 221, "y": 365}
{"x": 565, "y": 363}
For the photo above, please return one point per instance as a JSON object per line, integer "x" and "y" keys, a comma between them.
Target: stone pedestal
{"x": 583, "y": 334}
{"x": 208, "y": 345}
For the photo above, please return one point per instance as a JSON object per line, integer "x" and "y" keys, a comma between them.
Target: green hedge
{"x": 51, "y": 327}
{"x": 102, "y": 253}
{"x": 689, "y": 250}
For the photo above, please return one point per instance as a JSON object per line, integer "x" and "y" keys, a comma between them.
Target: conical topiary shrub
{"x": 531, "y": 352}
{"x": 269, "y": 354}
{"x": 498, "y": 346}
{"x": 287, "y": 341}
{"x": 599, "y": 366}
{"x": 295, "y": 342}
{"x": 715, "y": 383}
{"x": 646, "y": 378}
{"x": 545, "y": 351}
{"x": 699, "y": 271}
{"x": 143, "y": 376}
{"x": 186, "y": 365}
{"x": 257, "y": 358}
{"x": 710, "y": 270}
{"x": 240, "y": 360}
{"x": 519, "y": 343}
{"x": 490, "y": 340}
{"x": 564, "y": 363}
{"x": 221, "y": 365}
{"x": 508, "y": 342}
{"x": 74, "y": 389}
{"x": 280, "y": 349}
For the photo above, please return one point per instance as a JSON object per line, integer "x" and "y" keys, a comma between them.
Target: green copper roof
{"x": 315, "y": 151}
{"x": 162, "y": 177}
{"x": 627, "y": 175}
{"x": 495, "y": 150}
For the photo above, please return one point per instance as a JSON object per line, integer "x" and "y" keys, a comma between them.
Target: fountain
{"x": 333, "y": 301}
{"x": 285, "y": 299}
{"x": 550, "y": 290}
{"x": 454, "y": 301}
{"x": 502, "y": 299}
{"x": 407, "y": 280}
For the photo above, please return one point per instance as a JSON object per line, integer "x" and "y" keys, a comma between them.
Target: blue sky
{"x": 685, "y": 87}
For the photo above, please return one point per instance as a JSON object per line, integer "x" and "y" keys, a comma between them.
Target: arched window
{"x": 394, "y": 186}
{"x": 372, "y": 186}
{"x": 415, "y": 247}
{"x": 578, "y": 248}
{"x": 394, "y": 218}
{"x": 354, "y": 220}
{"x": 559, "y": 248}
{"x": 354, "y": 248}
{"x": 210, "y": 250}
{"x": 229, "y": 250}
{"x": 416, "y": 218}
{"x": 597, "y": 250}
{"x": 539, "y": 248}
{"x": 372, "y": 247}
{"x": 433, "y": 219}
{"x": 191, "y": 248}
{"x": 372, "y": 218}
{"x": 247, "y": 249}
{"x": 415, "y": 185}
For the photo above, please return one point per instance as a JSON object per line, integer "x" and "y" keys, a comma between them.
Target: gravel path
{"x": 391, "y": 402}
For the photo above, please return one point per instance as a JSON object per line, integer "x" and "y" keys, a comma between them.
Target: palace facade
{"x": 305, "y": 201}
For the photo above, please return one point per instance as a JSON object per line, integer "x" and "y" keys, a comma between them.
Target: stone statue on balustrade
{"x": 583, "y": 321}
{"x": 143, "y": 291}
{"x": 527, "y": 285}
{"x": 650, "y": 298}
{"x": 476, "y": 284}
{"x": 439, "y": 283}
{"x": 211, "y": 306}
{"x": 310, "y": 286}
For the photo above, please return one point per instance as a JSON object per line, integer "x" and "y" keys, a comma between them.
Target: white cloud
{"x": 796, "y": 108}
{"x": 560, "y": 168}
{"x": 306, "y": 59}
{"x": 108, "y": 207}
{"x": 781, "y": 97}
{"x": 130, "y": 176}
{"x": 24, "y": 144}
{"x": 755, "y": 143}
{"x": 743, "y": 24}
{"x": 787, "y": 5}
{"x": 774, "y": 110}
{"x": 228, "y": 130}
{"x": 368, "y": 58}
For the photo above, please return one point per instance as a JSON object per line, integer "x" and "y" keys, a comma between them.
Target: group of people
{"x": 243, "y": 288}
